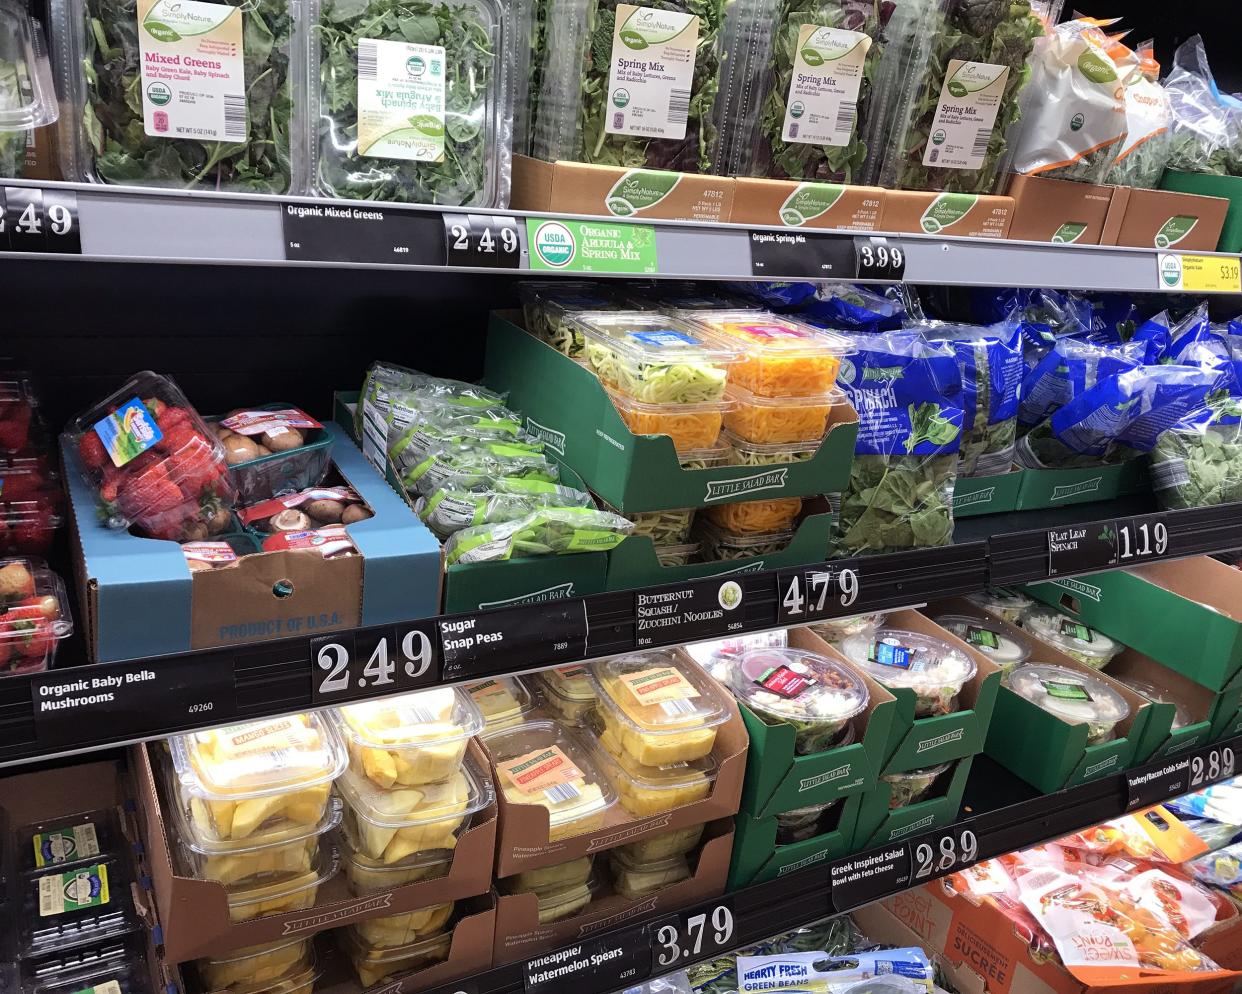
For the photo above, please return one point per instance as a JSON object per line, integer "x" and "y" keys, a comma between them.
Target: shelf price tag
{"x": 793, "y": 254}
{"x": 591, "y": 966}
{"x": 1213, "y": 764}
{"x": 938, "y": 854}
{"x": 368, "y": 663}
{"x": 869, "y": 876}
{"x": 492, "y": 642}
{"x": 878, "y": 259}
{"x": 701, "y": 610}
{"x": 804, "y": 596}
{"x": 1106, "y": 544}
{"x": 1200, "y": 273}
{"x": 482, "y": 241}
{"x": 699, "y": 933}
{"x": 33, "y": 220}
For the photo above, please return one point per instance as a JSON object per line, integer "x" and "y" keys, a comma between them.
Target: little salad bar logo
{"x": 555, "y": 245}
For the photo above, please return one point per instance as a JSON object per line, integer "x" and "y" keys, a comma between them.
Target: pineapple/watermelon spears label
{"x": 400, "y": 100}
{"x": 193, "y": 70}
{"x": 128, "y": 432}
{"x": 823, "y": 94}
{"x": 969, "y": 103}
{"x": 652, "y": 71}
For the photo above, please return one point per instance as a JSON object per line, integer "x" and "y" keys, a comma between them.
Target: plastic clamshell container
{"x": 634, "y": 879}
{"x": 756, "y": 517}
{"x": 654, "y": 358}
{"x": 648, "y": 790}
{"x": 565, "y": 902}
{"x": 34, "y": 615}
{"x": 287, "y": 894}
{"x": 107, "y": 969}
{"x": 374, "y": 964}
{"x": 801, "y": 823}
{"x": 302, "y": 982}
{"x": 409, "y": 740}
{"x": 1072, "y": 696}
{"x": 1181, "y": 716}
{"x": 671, "y": 527}
{"x": 931, "y": 667}
{"x": 261, "y": 859}
{"x": 547, "y": 305}
{"x": 559, "y": 876}
{"x": 912, "y": 786}
{"x": 31, "y": 500}
{"x": 543, "y": 763}
{"x": 280, "y": 472}
{"x": 674, "y": 297}
{"x": 692, "y": 427}
{"x": 660, "y": 707}
{"x": 261, "y": 777}
{"x": 674, "y": 842}
{"x": 68, "y": 908}
{"x": 366, "y": 875}
{"x": 716, "y": 454}
{"x": 746, "y": 453}
{"x": 394, "y": 931}
{"x": 27, "y": 90}
{"x": 677, "y": 555}
{"x": 780, "y": 357}
{"x": 391, "y": 825}
{"x": 269, "y": 963}
{"x": 567, "y": 692}
{"x": 64, "y": 842}
{"x": 777, "y": 420}
{"x": 504, "y": 701}
{"x": 1003, "y": 602}
{"x": 1078, "y": 641}
{"x": 720, "y": 545}
{"x": 987, "y": 637}
{"x": 837, "y": 630}
{"x": 817, "y": 696}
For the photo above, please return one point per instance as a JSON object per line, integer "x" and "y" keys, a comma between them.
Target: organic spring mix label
{"x": 193, "y": 70}
{"x": 128, "y": 432}
{"x": 652, "y": 71}
{"x": 73, "y": 890}
{"x": 400, "y": 100}
{"x": 969, "y": 103}
{"x": 822, "y": 106}
{"x": 65, "y": 844}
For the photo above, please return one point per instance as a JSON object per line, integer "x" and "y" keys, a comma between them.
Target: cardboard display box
{"x": 1226, "y": 187}
{"x": 1198, "y": 595}
{"x": 1058, "y": 210}
{"x": 1024, "y": 489}
{"x": 1163, "y": 219}
{"x": 610, "y": 191}
{"x": 807, "y": 205}
{"x": 1158, "y": 738}
{"x": 880, "y": 824}
{"x": 139, "y": 598}
{"x": 579, "y": 424}
{"x": 195, "y": 913}
{"x": 976, "y": 495}
{"x": 1226, "y": 716}
{"x": 967, "y": 215}
{"x": 758, "y": 856}
{"x": 520, "y": 936}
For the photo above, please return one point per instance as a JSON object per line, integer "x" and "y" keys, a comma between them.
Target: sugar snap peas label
{"x": 823, "y": 92}
{"x": 400, "y": 100}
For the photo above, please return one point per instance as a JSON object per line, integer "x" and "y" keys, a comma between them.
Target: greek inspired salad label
{"x": 966, "y": 114}
{"x": 128, "y": 432}
{"x": 73, "y": 890}
{"x": 784, "y": 682}
{"x": 541, "y": 770}
{"x": 193, "y": 70}
{"x": 1066, "y": 690}
{"x": 652, "y": 71}
{"x": 400, "y": 100}
{"x": 65, "y": 844}
{"x": 890, "y": 654}
{"x": 658, "y": 685}
{"x": 982, "y": 636}
{"x": 1076, "y": 630}
{"x": 823, "y": 94}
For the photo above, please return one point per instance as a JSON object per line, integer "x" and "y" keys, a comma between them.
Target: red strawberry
{"x": 177, "y": 437}
{"x": 15, "y": 581}
{"x": 155, "y": 406}
{"x": 46, "y": 605}
{"x": 142, "y": 461}
{"x": 15, "y": 428}
{"x": 92, "y": 452}
{"x": 33, "y": 535}
{"x": 32, "y": 638}
{"x": 110, "y": 485}
{"x": 170, "y": 419}
{"x": 150, "y": 492}
{"x": 194, "y": 467}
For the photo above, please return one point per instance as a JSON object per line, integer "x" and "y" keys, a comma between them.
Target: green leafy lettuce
{"x": 896, "y": 502}
{"x": 12, "y": 143}
{"x": 1200, "y": 465}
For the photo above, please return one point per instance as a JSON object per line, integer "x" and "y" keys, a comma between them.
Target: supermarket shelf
{"x": 121, "y": 225}
{"x": 83, "y": 708}
{"x": 755, "y": 913}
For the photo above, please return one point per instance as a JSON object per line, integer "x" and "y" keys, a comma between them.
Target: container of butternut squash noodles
{"x": 773, "y": 420}
{"x": 756, "y": 517}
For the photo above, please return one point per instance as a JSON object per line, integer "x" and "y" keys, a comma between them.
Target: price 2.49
{"x": 690, "y": 936}
{"x": 351, "y": 665}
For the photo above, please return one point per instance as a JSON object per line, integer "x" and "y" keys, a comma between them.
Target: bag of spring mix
{"x": 1071, "y": 367}
{"x": 990, "y": 360}
{"x": 775, "y": 296}
{"x": 908, "y": 395}
{"x": 543, "y": 532}
{"x": 450, "y": 508}
{"x": 851, "y": 308}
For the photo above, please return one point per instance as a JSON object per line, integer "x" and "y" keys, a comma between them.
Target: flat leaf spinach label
{"x": 1174, "y": 230}
{"x": 809, "y": 201}
{"x": 1069, "y": 232}
{"x": 640, "y": 189}
{"x": 946, "y": 210}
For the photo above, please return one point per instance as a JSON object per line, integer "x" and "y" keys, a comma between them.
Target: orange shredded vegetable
{"x": 780, "y": 364}
{"x": 757, "y": 517}
{"x": 795, "y": 422}
{"x": 688, "y": 430}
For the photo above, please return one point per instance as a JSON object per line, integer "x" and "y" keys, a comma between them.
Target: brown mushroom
{"x": 291, "y": 520}
{"x": 282, "y": 440}
{"x": 356, "y": 512}
{"x": 239, "y": 449}
{"x": 324, "y": 511}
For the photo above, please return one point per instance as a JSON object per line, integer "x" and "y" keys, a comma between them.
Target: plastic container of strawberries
{"x": 34, "y": 615}
{"x": 31, "y": 504}
{"x": 154, "y": 463}
{"x": 19, "y": 423}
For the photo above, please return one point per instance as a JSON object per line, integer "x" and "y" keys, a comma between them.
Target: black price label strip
{"x": 793, "y": 254}
{"x": 361, "y": 233}
{"x": 593, "y": 966}
{"x": 44, "y": 221}
{"x": 1182, "y": 774}
{"x": 1107, "y": 544}
{"x": 352, "y": 665}
{"x": 513, "y": 639}
{"x": 692, "y": 935}
{"x": 701, "y": 610}
{"x": 940, "y": 853}
{"x": 879, "y": 259}
{"x": 813, "y": 594}
{"x": 868, "y": 877}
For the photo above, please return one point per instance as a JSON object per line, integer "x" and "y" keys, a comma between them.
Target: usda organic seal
{"x": 555, "y": 245}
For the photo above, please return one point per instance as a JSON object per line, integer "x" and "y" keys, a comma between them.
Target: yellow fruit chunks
{"x": 549, "y": 878}
{"x": 270, "y": 862}
{"x": 406, "y": 741}
{"x": 661, "y": 748}
{"x": 648, "y": 790}
{"x": 563, "y": 904}
{"x": 438, "y": 807}
{"x": 369, "y": 876}
{"x": 256, "y": 965}
{"x": 635, "y": 882}
{"x": 374, "y": 966}
{"x": 672, "y": 843}
{"x": 296, "y": 894}
{"x": 272, "y": 812}
{"x": 400, "y": 930}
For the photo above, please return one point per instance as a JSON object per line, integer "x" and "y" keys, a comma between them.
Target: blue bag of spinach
{"x": 1156, "y": 335}
{"x": 1198, "y": 461}
{"x": 1071, "y": 367}
{"x": 1195, "y": 342}
{"x": 775, "y": 296}
{"x": 990, "y": 361}
{"x": 849, "y": 308}
{"x": 908, "y": 395}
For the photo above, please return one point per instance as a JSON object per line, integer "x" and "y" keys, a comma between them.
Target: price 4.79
{"x": 816, "y": 593}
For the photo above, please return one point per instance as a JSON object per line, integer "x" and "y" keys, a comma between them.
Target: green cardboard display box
{"x": 1024, "y": 489}
{"x": 758, "y": 857}
{"x": 879, "y": 824}
{"x": 778, "y": 780}
{"x": 1229, "y": 187}
{"x": 1198, "y": 602}
{"x": 1226, "y": 716}
{"x": 1158, "y": 738}
{"x": 976, "y": 495}
{"x": 567, "y": 406}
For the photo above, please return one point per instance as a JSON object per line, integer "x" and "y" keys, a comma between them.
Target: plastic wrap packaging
{"x": 1206, "y": 136}
{"x": 236, "y": 125}
{"x": 550, "y": 531}
{"x": 857, "y": 308}
{"x": 1068, "y": 370}
{"x": 413, "y": 100}
{"x": 959, "y": 80}
{"x": 1149, "y": 117}
{"x": 908, "y": 395}
{"x": 1198, "y": 461}
{"x": 450, "y": 507}
{"x": 1074, "y": 112}
{"x": 27, "y": 93}
{"x": 799, "y": 89}
{"x": 546, "y": 304}
{"x": 595, "y": 109}
{"x": 34, "y": 616}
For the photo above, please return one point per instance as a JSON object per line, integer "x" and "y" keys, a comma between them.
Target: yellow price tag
{"x": 1201, "y": 273}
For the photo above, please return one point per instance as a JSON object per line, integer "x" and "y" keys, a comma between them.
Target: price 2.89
{"x": 1212, "y": 765}
{"x": 944, "y": 852}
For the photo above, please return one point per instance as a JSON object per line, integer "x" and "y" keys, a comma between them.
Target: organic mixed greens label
{"x": 65, "y": 844}
{"x": 1066, "y": 690}
{"x": 193, "y": 70}
{"x": 73, "y": 891}
{"x": 982, "y": 636}
{"x": 400, "y": 100}
{"x": 784, "y": 682}
{"x": 823, "y": 94}
{"x": 651, "y": 72}
{"x": 969, "y": 102}
{"x": 128, "y": 432}
{"x": 1077, "y": 630}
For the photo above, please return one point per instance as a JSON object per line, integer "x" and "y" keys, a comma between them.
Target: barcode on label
{"x": 561, "y": 793}
{"x": 982, "y": 138}
{"x": 235, "y": 117}
{"x": 368, "y": 59}
{"x": 1166, "y": 475}
{"x": 677, "y": 707}
{"x": 845, "y": 117}
{"x": 678, "y": 106}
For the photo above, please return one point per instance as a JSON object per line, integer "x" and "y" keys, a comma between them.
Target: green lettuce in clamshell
{"x": 12, "y": 143}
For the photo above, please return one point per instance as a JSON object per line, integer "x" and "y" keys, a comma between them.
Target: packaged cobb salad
{"x": 27, "y": 92}
{"x": 1181, "y": 714}
{"x": 1078, "y": 641}
{"x": 545, "y": 306}
{"x": 988, "y": 637}
{"x": 780, "y": 357}
{"x": 931, "y": 667}
{"x": 1003, "y": 602}
{"x": 819, "y": 697}
{"x": 1073, "y": 696}
{"x": 912, "y": 786}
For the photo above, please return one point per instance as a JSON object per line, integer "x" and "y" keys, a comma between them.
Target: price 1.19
{"x": 351, "y": 665}
{"x": 808, "y": 595}
{"x": 1142, "y": 538}
{"x": 943, "y": 852}
{"x": 692, "y": 935}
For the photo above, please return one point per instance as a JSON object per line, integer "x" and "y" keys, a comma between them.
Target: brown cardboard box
{"x": 1163, "y": 219}
{"x": 195, "y": 913}
{"x": 578, "y": 188}
{"x": 1058, "y": 210}
{"x": 520, "y": 936}
{"x": 964, "y": 214}
{"x": 807, "y": 205}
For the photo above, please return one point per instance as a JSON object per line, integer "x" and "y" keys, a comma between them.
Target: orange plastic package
{"x": 780, "y": 357}
{"x": 690, "y": 426}
{"x": 769, "y": 420}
